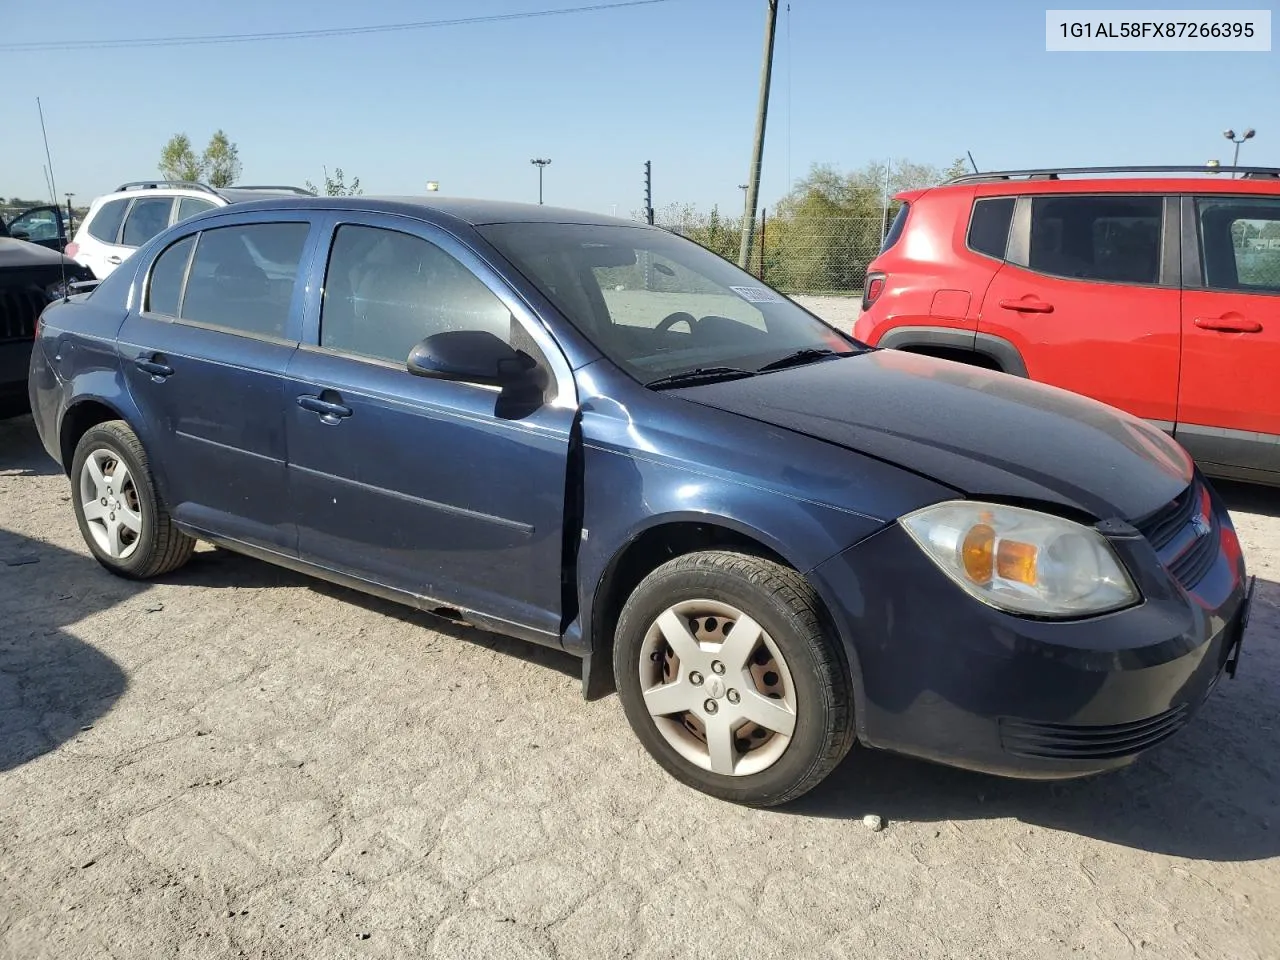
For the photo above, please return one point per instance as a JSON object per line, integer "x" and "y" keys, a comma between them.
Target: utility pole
{"x": 648, "y": 191}
{"x": 757, "y": 150}
{"x": 541, "y": 163}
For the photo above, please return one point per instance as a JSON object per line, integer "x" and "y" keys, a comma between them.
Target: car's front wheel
{"x": 730, "y": 679}
{"x": 124, "y": 522}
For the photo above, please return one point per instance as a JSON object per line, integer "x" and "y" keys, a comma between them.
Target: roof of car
{"x": 1184, "y": 179}
{"x": 459, "y": 209}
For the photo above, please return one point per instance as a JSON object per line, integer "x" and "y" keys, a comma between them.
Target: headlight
{"x": 58, "y": 289}
{"x": 1022, "y": 561}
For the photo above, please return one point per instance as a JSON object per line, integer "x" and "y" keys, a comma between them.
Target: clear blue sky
{"x": 599, "y": 93}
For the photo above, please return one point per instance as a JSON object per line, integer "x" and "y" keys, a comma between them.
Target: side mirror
{"x": 469, "y": 356}
{"x": 20, "y": 235}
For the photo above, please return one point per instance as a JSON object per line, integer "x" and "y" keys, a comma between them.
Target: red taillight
{"x": 72, "y": 249}
{"x": 875, "y": 287}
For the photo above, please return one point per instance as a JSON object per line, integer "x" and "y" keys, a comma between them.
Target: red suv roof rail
{"x": 1055, "y": 173}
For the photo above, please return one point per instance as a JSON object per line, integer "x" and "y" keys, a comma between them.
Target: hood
{"x": 19, "y": 253}
{"x": 980, "y": 432}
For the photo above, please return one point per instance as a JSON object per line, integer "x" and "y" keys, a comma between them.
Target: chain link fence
{"x": 819, "y": 256}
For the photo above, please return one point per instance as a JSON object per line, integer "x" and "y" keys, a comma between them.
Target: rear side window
{"x": 105, "y": 225}
{"x": 1115, "y": 239}
{"x": 989, "y": 226}
{"x": 242, "y": 278}
{"x": 190, "y": 206}
{"x": 146, "y": 218}
{"x": 896, "y": 228}
{"x": 1240, "y": 243}
{"x": 165, "y": 291}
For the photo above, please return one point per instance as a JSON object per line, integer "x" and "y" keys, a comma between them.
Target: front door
{"x": 204, "y": 354}
{"x": 1089, "y": 297}
{"x": 1229, "y": 401}
{"x": 439, "y": 489}
{"x": 44, "y": 226}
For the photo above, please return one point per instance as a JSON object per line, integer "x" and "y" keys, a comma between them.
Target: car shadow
{"x": 1249, "y": 497}
{"x": 52, "y": 685}
{"x": 1209, "y": 793}
{"x": 21, "y": 454}
{"x": 219, "y": 568}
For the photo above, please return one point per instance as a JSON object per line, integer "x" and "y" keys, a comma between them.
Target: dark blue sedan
{"x": 592, "y": 434}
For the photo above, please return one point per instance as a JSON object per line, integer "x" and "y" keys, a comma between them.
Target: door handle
{"x": 159, "y": 371}
{"x": 113, "y": 259}
{"x": 1228, "y": 324}
{"x": 330, "y": 413}
{"x": 1027, "y": 306}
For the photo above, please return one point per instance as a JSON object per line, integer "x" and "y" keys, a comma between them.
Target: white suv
{"x": 120, "y": 222}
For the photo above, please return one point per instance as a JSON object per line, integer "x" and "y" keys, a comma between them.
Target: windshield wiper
{"x": 700, "y": 375}
{"x": 801, "y": 357}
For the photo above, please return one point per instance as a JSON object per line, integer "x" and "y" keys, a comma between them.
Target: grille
{"x": 1064, "y": 741}
{"x": 19, "y": 308}
{"x": 1186, "y": 551}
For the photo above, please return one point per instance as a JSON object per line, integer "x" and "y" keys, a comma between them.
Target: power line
{"x": 201, "y": 40}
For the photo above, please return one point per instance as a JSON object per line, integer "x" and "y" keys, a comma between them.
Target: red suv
{"x": 1156, "y": 294}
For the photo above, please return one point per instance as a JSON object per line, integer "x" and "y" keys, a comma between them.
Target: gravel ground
{"x": 242, "y": 762}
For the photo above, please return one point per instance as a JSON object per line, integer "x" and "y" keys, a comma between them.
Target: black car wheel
{"x": 122, "y": 518}
{"x": 730, "y": 679}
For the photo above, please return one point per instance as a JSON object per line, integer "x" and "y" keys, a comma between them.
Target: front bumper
{"x": 942, "y": 676}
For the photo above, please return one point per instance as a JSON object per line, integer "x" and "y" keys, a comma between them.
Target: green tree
{"x": 178, "y": 161}
{"x": 221, "y": 161}
{"x": 336, "y": 185}
{"x": 219, "y": 165}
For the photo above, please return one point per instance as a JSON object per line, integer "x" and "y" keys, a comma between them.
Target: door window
{"x": 1240, "y": 243}
{"x": 243, "y": 278}
{"x": 190, "y": 206}
{"x": 105, "y": 225}
{"x": 147, "y": 217}
{"x": 39, "y": 224}
{"x": 1114, "y": 239}
{"x": 385, "y": 291}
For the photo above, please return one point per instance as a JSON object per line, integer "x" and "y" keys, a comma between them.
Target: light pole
{"x": 541, "y": 163}
{"x": 1231, "y": 135}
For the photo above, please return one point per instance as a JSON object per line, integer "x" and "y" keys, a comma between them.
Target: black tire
{"x": 161, "y": 546}
{"x": 785, "y": 605}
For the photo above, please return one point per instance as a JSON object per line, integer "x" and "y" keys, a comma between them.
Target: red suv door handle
{"x": 1229, "y": 324}
{"x": 1027, "y": 306}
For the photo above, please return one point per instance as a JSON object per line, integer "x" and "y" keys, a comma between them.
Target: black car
{"x": 31, "y": 277}
{"x": 596, "y": 435}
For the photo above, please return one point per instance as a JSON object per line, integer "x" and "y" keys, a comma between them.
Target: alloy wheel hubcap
{"x": 717, "y": 687}
{"x": 110, "y": 502}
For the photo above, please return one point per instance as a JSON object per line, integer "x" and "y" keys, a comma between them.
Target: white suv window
{"x": 190, "y": 206}
{"x": 147, "y": 217}
{"x": 105, "y": 225}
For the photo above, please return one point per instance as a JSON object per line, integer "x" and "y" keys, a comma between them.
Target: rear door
{"x": 1089, "y": 296}
{"x": 445, "y": 490}
{"x": 204, "y": 355}
{"x": 1229, "y": 400}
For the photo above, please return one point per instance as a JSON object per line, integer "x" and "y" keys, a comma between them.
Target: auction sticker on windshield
{"x": 757, "y": 294}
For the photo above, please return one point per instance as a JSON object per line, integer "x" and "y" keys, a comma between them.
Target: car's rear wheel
{"x": 729, "y": 678}
{"x": 124, "y": 522}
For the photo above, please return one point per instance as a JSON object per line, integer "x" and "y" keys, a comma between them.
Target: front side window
{"x": 1240, "y": 243}
{"x": 105, "y": 225}
{"x": 147, "y": 217}
{"x": 660, "y": 306}
{"x": 165, "y": 290}
{"x": 385, "y": 291}
{"x": 243, "y": 277}
{"x": 38, "y": 225}
{"x": 1114, "y": 239}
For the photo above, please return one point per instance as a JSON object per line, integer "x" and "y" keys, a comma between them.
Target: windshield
{"x": 660, "y": 306}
